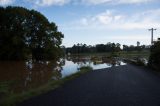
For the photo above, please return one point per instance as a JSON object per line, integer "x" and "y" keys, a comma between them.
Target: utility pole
{"x": 152, "y": 29}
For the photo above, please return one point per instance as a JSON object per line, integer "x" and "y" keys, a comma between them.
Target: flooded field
{"x": 20, "y": 76}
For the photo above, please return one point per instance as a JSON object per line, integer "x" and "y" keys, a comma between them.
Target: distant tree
{"x": 138, "y": 43}
{"x": 100, "y": 48}
{"x": 26, "y": 32}
{"x": 134, "y": 48}
{"x": 154, "y": 60}
{"x": 118, "y": 47}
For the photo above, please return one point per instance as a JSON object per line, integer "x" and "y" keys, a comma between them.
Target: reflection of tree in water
{"x": 14, "y": 72}
{"x": 113, "y": 63}
{"x": 28, "y": 75}
{"x": 41, "y": 72}
{"x": 96, "y": 60}
{"x": 78, "y": 59}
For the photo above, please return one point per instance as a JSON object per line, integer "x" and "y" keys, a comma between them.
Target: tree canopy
{"x": 25, "y": 33}
{"x": 99, "y": 48}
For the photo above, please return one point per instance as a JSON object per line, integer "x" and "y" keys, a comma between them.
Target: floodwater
{"x": 22, "y": 76}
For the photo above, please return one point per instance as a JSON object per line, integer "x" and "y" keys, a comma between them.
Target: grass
{"x": 133, "y": 54}
{"x": 124, "y": 54}
{"x": 129, "y": 55}
{"x": 13, "y": 99}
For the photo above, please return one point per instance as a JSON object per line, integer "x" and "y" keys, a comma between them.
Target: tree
{"x": 138, "y": 43}
{"x": 26, "y": 32}
{"x": 154, "y": 60}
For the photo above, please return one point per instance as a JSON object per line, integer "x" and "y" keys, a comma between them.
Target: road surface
{"x": 127, "y": 85}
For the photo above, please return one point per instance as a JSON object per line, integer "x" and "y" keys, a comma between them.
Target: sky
{"x": 99, "y": 21}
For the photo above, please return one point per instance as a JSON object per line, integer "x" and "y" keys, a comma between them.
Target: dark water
{"x": 24, "y": 75}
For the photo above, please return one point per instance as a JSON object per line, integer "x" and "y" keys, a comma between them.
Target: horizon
{"x": 94, "y": 22}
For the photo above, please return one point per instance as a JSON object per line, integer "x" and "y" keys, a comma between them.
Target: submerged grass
{"x": 13, "y": 99}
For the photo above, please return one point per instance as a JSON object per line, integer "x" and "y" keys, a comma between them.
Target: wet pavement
{"x": 127, "y": 85}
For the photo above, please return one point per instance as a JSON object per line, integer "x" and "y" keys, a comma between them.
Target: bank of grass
{"x": 123, "y": 54}
{"x": 133, "y": 54}
{"x": 13, "y": 99}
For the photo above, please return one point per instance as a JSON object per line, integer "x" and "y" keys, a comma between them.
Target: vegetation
{"x": 135, "y": 54}
{"x": 99, "y": 48}
{"x": 135, "y": 48}
{"x": 154, "y": 60}
{"x": 105, "y": 48}
{"x": 27, "y": 33}
{"x": 13, "y": 99}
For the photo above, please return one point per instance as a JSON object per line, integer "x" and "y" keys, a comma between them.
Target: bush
{"x": 154, "y": 60}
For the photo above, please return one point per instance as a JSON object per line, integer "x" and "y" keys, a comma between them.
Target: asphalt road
{"x": 117, "y": 86}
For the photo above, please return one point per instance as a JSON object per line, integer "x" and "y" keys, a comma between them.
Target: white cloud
{"x": 6, "y": 2}
{"x": 104, "y": 18}
{"x": 113, "y": 20}
{"x": 133, "y": 1}
{"x": 96, "y": 2}
{"x": 49, "y": 2}
{"x": 85, "y": 2}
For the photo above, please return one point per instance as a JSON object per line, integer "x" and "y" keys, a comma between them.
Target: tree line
{"x": 101, "y": 48}
{"x": 27, "y": 33}
{"x": 136, "y": 48}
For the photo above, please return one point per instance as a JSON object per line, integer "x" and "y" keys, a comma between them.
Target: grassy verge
{"x": 13, "y": 99}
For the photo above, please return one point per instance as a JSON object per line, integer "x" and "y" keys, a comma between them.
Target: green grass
{"x": 123, "y": 54}
{"x": 132, "y": 54}
{"x": 13, "y": 99}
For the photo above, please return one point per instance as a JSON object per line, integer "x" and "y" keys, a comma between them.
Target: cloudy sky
{"x": 99, "y": 21}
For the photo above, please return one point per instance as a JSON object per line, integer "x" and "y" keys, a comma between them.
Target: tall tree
{"x": 26, "y": 32}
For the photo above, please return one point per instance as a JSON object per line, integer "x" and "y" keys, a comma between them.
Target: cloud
{"x": 115, "y": 2}
{"x": 114, "y": 20}
{"x": 48, "y": 2}
{"x": 85, "y": 2}
{"x": 133, "y": 1}
{"x": 6, "y": 2}
{"x": 95, "y": 2}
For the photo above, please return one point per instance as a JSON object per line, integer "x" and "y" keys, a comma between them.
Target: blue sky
{"x": 99, "y": 21}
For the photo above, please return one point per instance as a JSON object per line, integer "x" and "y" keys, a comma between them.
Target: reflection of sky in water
{"x": 100, "y": 66}
{"x": 71, "y": 68}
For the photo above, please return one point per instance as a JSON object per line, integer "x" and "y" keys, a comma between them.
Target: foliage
{"x": 154, "y": 60}
{"x": 99, "y": 48}
{"x": 135, "y": 48}
{"x": 25, "y": 33}
{"x": 105, "y": 48}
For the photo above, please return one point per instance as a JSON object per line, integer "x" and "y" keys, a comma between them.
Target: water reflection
{"x": 73, "y": 64}
{"x": 30, "y": 74}
{"x": 26, "y": 75}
